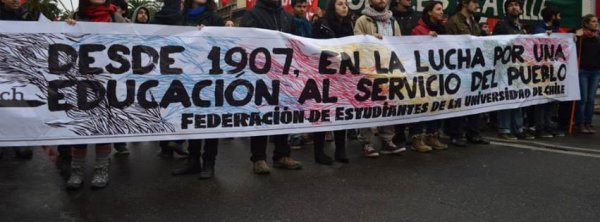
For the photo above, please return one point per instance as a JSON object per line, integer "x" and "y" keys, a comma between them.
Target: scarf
{"x": 100, "y": 13}
{"x": 437, "y": 27}
{"x": 384, "y": 16}
{"x": 194, "y": 14}
{"x": 590, "y": 33}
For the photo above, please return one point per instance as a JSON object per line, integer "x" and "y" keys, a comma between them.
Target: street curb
{"x": 546, "y": 145}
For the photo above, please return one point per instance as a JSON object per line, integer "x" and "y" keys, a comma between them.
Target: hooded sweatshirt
{"x": 169, "y": 14}
{"x": 268, "y": 15}
{"x": 135, "y": 12}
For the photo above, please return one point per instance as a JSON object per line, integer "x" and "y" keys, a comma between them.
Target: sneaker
{"x": 296, "y": 141}
{"x": 100, "y": 178}
{"x": 369, "y": 151}
{"x": 390, "y": 148}
{"x": 121, "y": 149}
{"x": 459, "y": 142}
{"x": 543, "y": 134}
{"x": 557, "y": 133}
{"x": 478, "y": 140}
{"x": 507, "y": 136}
{"x": 76, "y": 179}
{"x": 524, "y": 136}
{"x": 418, "y": 145}
{"x": 590, "y": 129}
{"x": 581, "y": 129}
{"x": 287, "y": 163}
{"x": 261, "y": 167}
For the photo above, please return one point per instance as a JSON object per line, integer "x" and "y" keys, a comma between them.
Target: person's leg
{"x": 540, "y": 121}
{"x": 78, "y": 154}
{"x": 591, "y": 98}
{"x": 454, "y": 128}
{"x": 340, "y": 146}
{"x": 211, "y": 147}
{"x": 319, "y": 144}
{"x": 399, "y": 135}
{"x": 258, "y": 147}
{"x": 281, "y": 154}
{"x": 101, "y": 167}
{"x": 417, "y": 138}
{"x": 192, "y": 165}
{"x": 432, "y": 137}
{"x": 504, "y": 121}
{"x": 474, "y": 130}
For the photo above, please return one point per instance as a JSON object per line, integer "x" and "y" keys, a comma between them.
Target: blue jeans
{"x": 588, "y": 86}
{"x": 510, "y": 121}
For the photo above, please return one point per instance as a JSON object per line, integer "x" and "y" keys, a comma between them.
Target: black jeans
{"x": 340, "y": 142}
{"x": 258, "y": 147}
{"x": 211, "y": 147}
{"x": 456, "y": 127}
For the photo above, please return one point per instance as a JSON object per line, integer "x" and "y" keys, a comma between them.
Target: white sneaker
{"x": 390, "y": 148}
{"x": 369, "y": 151}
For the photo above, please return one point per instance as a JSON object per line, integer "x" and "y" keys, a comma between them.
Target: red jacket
{"x": 421, "y": 28}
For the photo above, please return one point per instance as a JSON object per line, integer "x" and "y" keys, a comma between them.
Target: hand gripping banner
{"x": 100, "y": 83}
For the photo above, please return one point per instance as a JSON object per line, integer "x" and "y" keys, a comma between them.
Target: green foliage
{"x": 48, "y": 8}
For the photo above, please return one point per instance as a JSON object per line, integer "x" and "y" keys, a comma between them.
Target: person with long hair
{"x": 336, "y": 23}
{"x": 588, "y": 45}
{"x": 92, "y": 11}
{"x": 430, "y": 23}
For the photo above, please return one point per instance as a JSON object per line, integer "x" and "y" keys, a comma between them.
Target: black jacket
{"x": 208, "y": 18}
{"x": 169, "y": 14}
{"x": 407, "y": 20}
{"x": 322, "y": 29}
{"x": 590, "y": 52}
{"x": 507, "y": 27}
{"x": 20, "y": 14}
{"x": 266, "y": 15}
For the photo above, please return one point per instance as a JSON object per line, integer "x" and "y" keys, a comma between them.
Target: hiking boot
{"x": 390, "y": 148}
{"x": 590, "y": 129}
{"x": 261, "y": 167}
{"x": 192, "y": 166}
{"x": 121, "y": 149}
{"x": 76, "y": 179}
{"x": 24, "y": 152}
{"x": 459, "y": 142}
{"x": 207, "y": 171}
{"x": 178, "y": 148}
{"x": 100, "y": 178}
{"x": 543, "y": 134}
{"x": 524, "y": 136}
{"x": 507, "y": 136}
{"x": 418, "y": 145}
{"x": 369, "y": 151}
{"x": 433, "y": 140}
{"x": 287, "y": 163}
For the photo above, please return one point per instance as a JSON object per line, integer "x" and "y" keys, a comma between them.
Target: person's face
{"x": 404, "y": 3}
{"x": 97, "y": 2}
{"x": 514, "y": 10}
{"x": 472, "y": 7}
{"x": 592, "y": 24}
{"x": 142, "y": 16}
{"x": 229, "y": 23}
{"x": 341, "y": 8}
{"x": 12, "y": 4}
{"x": 378, "y": 5}
{"x": 485, "y": 28}
{"x": 199, "y": 2}
{"x": 557, "y": 17}
{"x": 300, "y": 9}
{"x": 437, "y": 13}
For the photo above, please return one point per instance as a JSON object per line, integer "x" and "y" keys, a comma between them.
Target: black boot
{"x": 207, "y": 171}
{"x": 340, "y": 155}
{"x": 192, "y": 166}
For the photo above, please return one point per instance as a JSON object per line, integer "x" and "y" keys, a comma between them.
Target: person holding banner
{"x": 588, "y": 44}
{"x": 336, "y": 23}
{"x": 510, "y": 122}
{"x": 301, "y": 26}
{"x": 141, "y": 15}
{"x": 268, "y": 14}
{"x": 200, "y": 13}
{"x": 403, "y": 13}
{"x": 378, "y": 21}
{"x": 543, "y": 113}
{"x": 431, "y": 23}
{"x": 463, "y": 23}
{"x": 12, "y": 10}
{"x": 92, "y": 11}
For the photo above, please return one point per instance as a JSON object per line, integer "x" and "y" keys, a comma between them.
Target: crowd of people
{"x": 381, "y": 19}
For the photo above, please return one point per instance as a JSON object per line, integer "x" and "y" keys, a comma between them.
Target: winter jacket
{"x": 322, "y": 29}
{"x": 301, "y": 27}
{"x": 507, "y": 27}
{"x": 421, "y": 28}
{"x": 590, "y": 52}
{"x": 266, "y": 15}
{"x": 208, "y": 18}
{"x": 365, "y": 25}
{"x": 407, "y": 20}
{"x": 169, "y": 14}
{"x": 115, "y": 18}
{"x": 541, "y": 27}
{"x": 457, "y": 25}
{"x": 20, "y": 14}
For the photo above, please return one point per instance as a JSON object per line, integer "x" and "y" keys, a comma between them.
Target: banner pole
{"x": 575, "y": 102}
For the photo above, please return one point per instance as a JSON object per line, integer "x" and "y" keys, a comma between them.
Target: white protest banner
{"x": 101, "y": 83}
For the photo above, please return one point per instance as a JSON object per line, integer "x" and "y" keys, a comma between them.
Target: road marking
{"x": 558, "y": 149}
